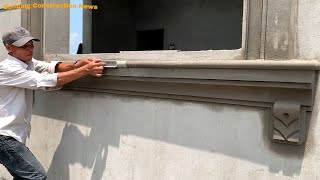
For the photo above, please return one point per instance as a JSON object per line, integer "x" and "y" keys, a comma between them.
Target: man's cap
{"x": 17, "y": 36}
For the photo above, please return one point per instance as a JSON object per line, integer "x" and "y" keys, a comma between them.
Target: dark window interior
{"x": 150, "y": 40}
{"x": 189, "y": 25}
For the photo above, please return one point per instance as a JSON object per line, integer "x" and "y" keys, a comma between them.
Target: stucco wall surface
{"x": 8, "y": 18}
{"x": 81, "y": 135}
{"x": 308, "y": 29}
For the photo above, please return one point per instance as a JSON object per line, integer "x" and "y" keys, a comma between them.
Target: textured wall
{"x": 79, "y": 135}
{"x": 309, "y": 29}
{"x": 8, "y": 18}
{"x": 56, "y": 28}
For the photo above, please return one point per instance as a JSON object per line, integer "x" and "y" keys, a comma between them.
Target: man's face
{"x": 23, "y": 53}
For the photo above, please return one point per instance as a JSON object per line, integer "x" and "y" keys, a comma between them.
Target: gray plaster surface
{"x": 9, "y": 2}
{"x": 81, "y": 135}
{"x": 56, "y": 29}
{"x": 309, "y": 29}
{"x": 8, "y": 18}
{"x": 280, "y": 30}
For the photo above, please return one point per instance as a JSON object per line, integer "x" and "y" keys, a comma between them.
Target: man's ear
{"x": 9, "y": 48}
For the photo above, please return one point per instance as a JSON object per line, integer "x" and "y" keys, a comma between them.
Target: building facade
{"x": 205, "y": 90}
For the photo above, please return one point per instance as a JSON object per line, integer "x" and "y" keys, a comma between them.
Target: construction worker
{"x": 20, "y": 74}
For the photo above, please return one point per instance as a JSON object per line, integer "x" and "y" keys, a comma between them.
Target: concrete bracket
{"x": 287, "y": 123}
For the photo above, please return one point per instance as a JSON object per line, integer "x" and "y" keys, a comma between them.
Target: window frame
{"x": 235, "y": 54}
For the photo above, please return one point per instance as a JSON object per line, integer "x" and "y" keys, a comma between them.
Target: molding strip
{"x": 125, "y": 61}
{"x": 225, "y": 64}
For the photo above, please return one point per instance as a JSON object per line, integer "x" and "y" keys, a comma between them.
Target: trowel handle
{"x": 111, "y": 64}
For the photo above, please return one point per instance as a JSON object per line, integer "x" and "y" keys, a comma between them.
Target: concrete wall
{"x": 82, "y": 135}
{"x": 56, "y": 28}
{"x": 308, "y": 30}
{"x": 189, "y": 25}
{"x": 8, "y": 18}
{"x": 79, "y": 135}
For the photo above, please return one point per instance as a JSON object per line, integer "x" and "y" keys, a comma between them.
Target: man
{"x": 20, "y": 74}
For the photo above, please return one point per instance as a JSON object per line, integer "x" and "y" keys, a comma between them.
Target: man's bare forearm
{"x": 68, "y": 66}
{"x": 71, "y": 75}
{"x": 94, "y": 68}
{"x": 65, "y": 66}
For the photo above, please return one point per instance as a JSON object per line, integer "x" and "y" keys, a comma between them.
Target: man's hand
{"x": 84, "y": 61}
{"x": 94, "y": 67}
{"x": 68, "y": 66}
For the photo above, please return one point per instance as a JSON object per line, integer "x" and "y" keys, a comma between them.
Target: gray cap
{"x": 17, "y": 36}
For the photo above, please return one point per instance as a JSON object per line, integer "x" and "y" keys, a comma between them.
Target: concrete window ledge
{"x": 286, "y": 87}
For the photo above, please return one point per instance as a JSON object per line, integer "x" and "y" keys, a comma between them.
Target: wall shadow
{"x": 67, "y": 154}
{"x": 6, "y": 10}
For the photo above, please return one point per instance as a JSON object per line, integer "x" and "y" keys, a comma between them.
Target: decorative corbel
{"x": 287, "y": 123}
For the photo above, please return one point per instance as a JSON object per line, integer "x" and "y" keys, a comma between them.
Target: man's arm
{"x": 67, "y": 66}
{"x": 94, "y": 68}
{"x": 16, "y": 75}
